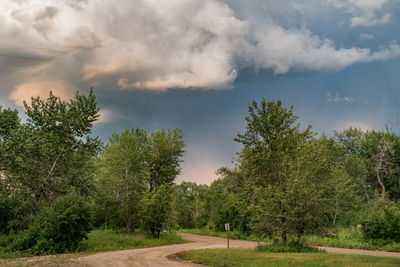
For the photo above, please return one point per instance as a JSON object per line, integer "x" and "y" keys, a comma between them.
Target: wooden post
{"x": 227, "y": 233}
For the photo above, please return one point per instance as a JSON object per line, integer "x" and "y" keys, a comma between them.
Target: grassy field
{"x": 108, "y": 240}
{"x": 101, "y": 241}
{"x": 253, "y": 258}
{"x": 345, "y": 238}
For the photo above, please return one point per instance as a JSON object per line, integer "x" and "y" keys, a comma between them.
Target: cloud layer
{"x": 156, "y": 45}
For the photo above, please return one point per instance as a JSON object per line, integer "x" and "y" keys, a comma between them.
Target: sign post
{"x": 227, "y": 233}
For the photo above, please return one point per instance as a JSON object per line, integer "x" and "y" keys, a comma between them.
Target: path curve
{"x": 159, "y": 256}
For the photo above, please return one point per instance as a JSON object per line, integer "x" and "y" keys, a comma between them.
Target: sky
{"x": 197, "y": 64}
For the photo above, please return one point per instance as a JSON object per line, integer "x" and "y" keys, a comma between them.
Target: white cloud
{"x": 366, "y": 36}
{"x": 369, "y": 19}
{"x": 337, "y": 98}
{"x": 156, "y": 45}
{"x": 363, "y": 12}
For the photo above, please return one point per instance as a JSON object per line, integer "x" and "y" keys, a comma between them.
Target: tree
{"x": 186, "y": 204}
{"x": 157, "y": 210}
{"x": 381, "y": 153}
{"x": 130, "y": 171}
{"x": 122, "y": 176}
{"x": 51, "y": 153}
{"x": 166, "y": 150}
{"x": 271, "y": 148}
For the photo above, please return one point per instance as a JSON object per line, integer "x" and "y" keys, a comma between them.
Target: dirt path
{"x": 159, "y": 256}
{"x": 361, "y": 252}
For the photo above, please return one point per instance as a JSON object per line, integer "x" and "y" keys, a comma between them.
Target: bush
{"x": 59, "y": 228}
{"x": 292, "y": 247}
{"x": 383, "y": 227}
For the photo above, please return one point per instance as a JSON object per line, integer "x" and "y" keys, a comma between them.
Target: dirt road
{"x": 157, "y": 256}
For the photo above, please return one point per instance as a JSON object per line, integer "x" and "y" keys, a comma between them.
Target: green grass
{"x": 344, "y": 242}
{"x": 105, "y": 240}
{"x": 344, "y": 238}
{"x": 290, "y": 248}
{"x": 108, "y": 240}
{"x": 253, "y": 258}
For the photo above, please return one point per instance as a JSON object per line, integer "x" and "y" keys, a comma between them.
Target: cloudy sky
{"x": 196, "y": 64}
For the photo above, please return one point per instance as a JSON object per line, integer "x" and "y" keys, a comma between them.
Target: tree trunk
{"x": 383, "y": 189}
{"x": 284, "y": 236}
{"x": 284, "y": 231}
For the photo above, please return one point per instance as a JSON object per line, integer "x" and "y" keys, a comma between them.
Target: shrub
{"x": 59, "y": 228}
{"x": 383, "y": 227}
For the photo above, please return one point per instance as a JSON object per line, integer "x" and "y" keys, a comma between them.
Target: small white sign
{"x": 227, "y": 227}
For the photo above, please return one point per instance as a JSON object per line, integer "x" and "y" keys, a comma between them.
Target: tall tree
{"x": 51, "y": 153}
{"x": 271, "y": 144}
{"x": 166, "y": 150}
{"x": 122, "y": 176}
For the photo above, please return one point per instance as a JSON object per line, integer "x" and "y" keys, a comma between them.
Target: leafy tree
{"x": 271, "y": 146}
{"x": 48, "y": 155}
{"x": 186, "y": 204}
{"x": 166, "y": 150}
{"x": 130, "y": 171}
{"x": 122, "y": 176}
{"x": 381, "y": 154}
{"x": 157, "y": 210}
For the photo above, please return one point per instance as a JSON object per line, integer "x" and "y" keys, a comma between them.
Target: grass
{"x": 253, "y": 258}
{"x": 351, "y": 237}
{"x": 108, "y": 240}
{"x": 98, "y": 241}
{"x": 290, "y": 248}
{"x": 344, "y": 238}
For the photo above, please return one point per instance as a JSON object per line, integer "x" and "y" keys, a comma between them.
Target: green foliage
{"x": 47, "y": 156}
{"x": 384, "y": 226}
{"x": 135, "y": 165}
{"x": 291, "y": 247}
{"x": 121, "y": 179}
{"x": 58, "y": 228}
{"x": 291, "y": 191}
{"x": 380, "y": 152}
{"x": 111, "y": 240}
{"x": 166, "y": 150}
{"x": 156, "y": 210}
{"x": 187, "y": 205}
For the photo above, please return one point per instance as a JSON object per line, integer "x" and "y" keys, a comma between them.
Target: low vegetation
{"x": 291, "y": 247}
{"x": 250, "y": 257}
{"x": 111, "y": 240}
{"x": 106, "y": 240}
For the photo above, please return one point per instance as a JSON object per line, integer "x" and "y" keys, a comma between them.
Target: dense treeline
{"x": 57, "y": 183}
{"x": 291, "y": 182}
{"x": 135, "y": 177}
